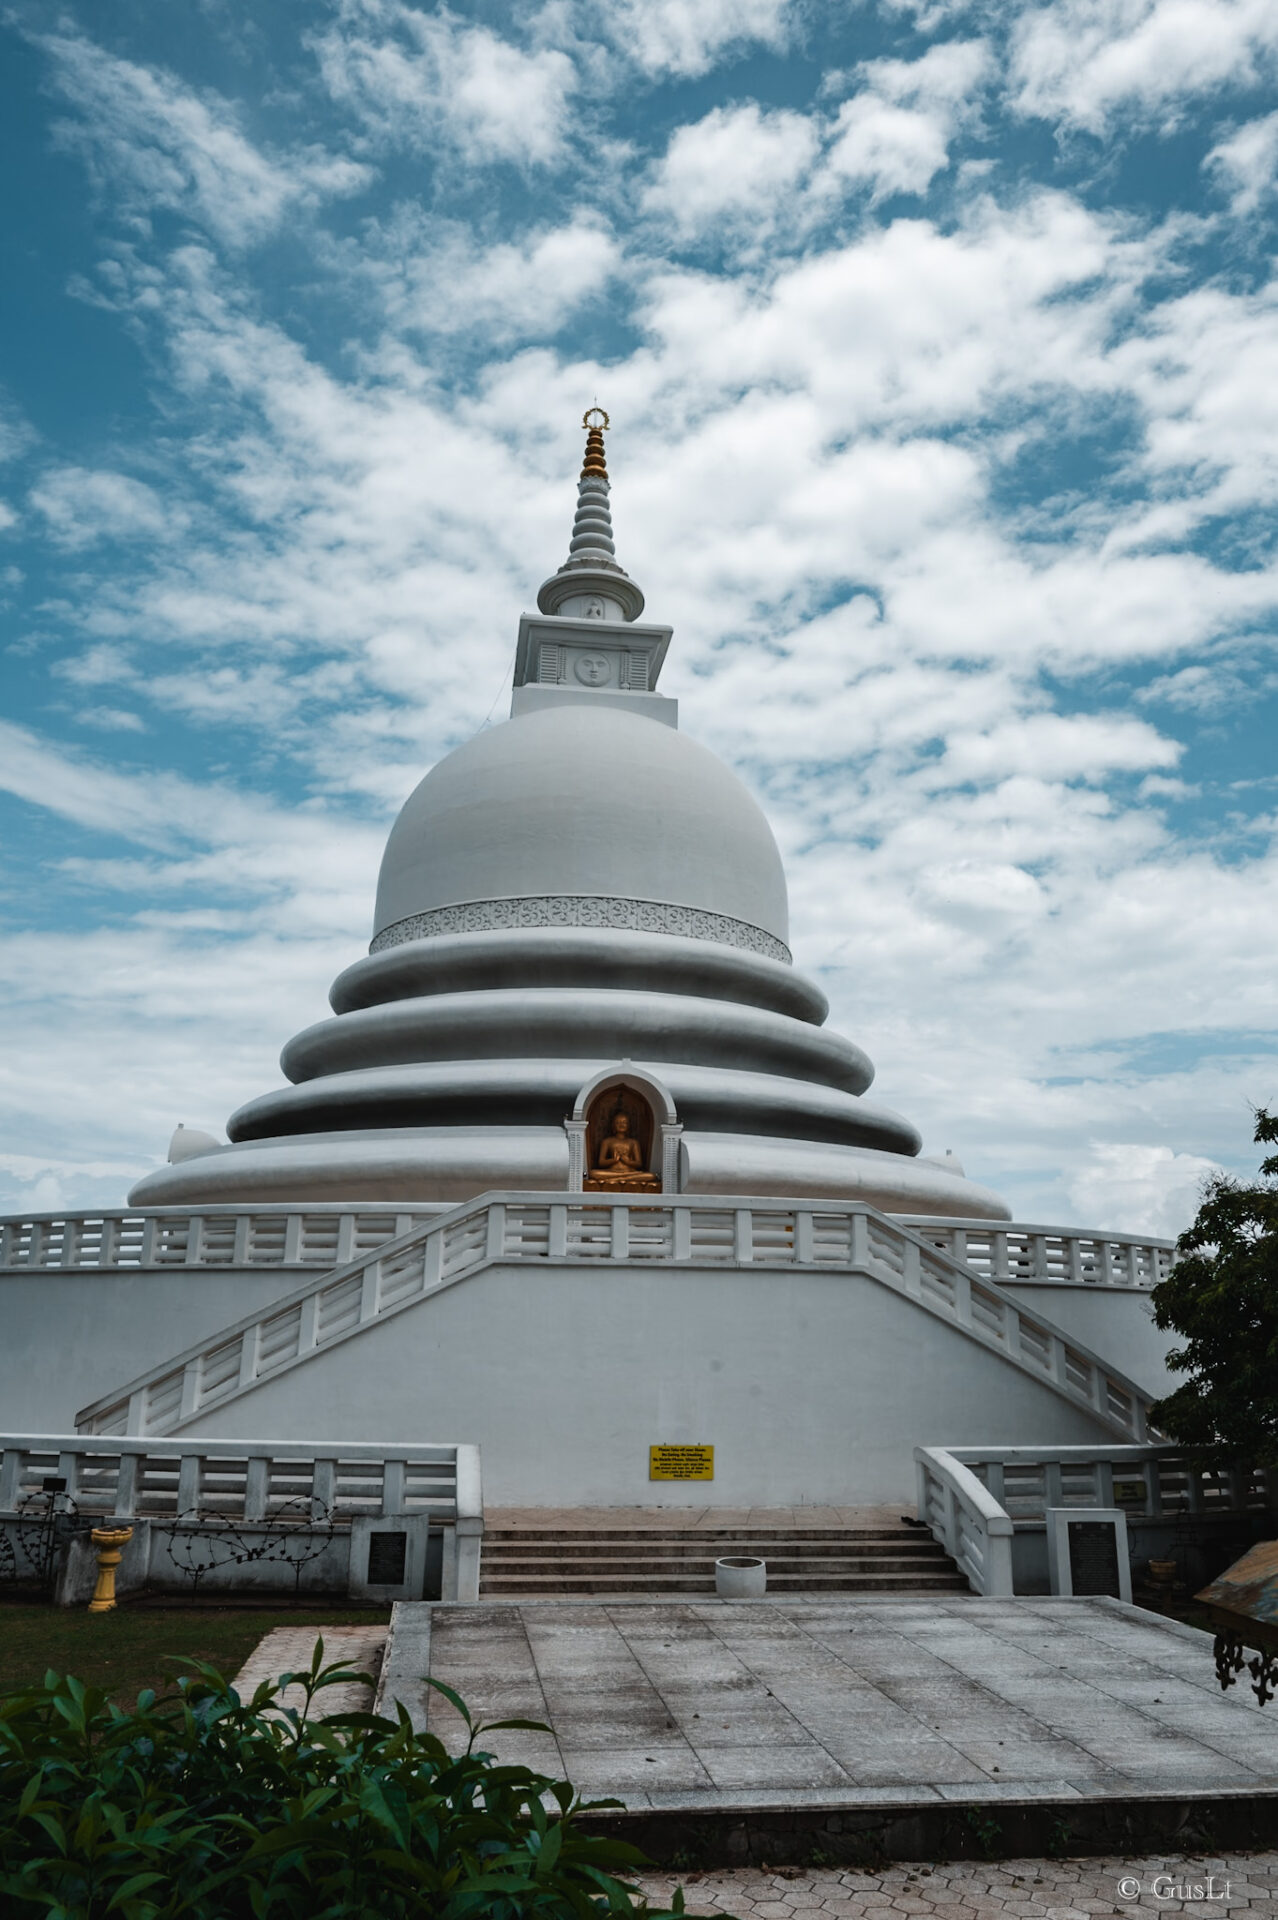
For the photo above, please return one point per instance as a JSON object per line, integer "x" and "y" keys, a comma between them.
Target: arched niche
{"x": 650, "y": 1119}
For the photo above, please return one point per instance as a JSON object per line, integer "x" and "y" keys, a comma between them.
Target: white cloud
{"x": 755, "y": 167}
{"x": 102, "y": 665}
{"x": 1199, "y": 689}
{"x": 1204, "y": 369}
{"x": 1052, "y": 746}
{"x": 688, "y": 37}
{"x": 154, "y": 143}
{"x": 1247, "y": 164}
{"x": 415, "y": 78}
{"x": 80, "y": 507}
{"x": 111, "y": 719}
{"x": 1090, "y": 63}
{"x": 443, "y": 281}
{"x": 810, "y": 463}
{"x": 248, "y": 839}
{"x": 895, "y": 132}
{"x": 1150, "y": 1189}
{"x": 16, "y": 431}
{"x": 737, "y": 164}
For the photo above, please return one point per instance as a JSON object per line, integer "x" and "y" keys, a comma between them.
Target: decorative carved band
{"x": 583, "y": 910}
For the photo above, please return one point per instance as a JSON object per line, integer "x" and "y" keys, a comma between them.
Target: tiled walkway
{"x": 817, "y": 1703}
{"x": 289, "y": 1650}
{"x": 971, "y": 1890}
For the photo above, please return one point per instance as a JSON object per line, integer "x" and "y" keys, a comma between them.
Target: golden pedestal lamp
{"x": 110, "y": 1543}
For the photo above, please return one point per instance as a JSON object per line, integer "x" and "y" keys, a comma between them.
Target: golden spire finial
{"x": 596, "y": 423}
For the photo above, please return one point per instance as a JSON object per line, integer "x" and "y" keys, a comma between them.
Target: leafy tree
{"x": 1222, "y": 1295}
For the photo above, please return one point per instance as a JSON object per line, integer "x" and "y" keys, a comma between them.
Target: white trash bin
{"x": 740, "y": 1579}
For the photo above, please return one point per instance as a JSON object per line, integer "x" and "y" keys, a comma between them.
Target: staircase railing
{"x": 973, "y": 1498}
{"x": 695, "y": 1231}
{"x": 1153, "y": 1482}
{"x": 967, "y": 1520}
{"x": 1018, "y": 1252}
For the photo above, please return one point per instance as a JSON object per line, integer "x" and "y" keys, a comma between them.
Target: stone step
{"x": 941, "y": 1580}
{"x": 674, "y": 1564}
{"x": 607, "y": 1559}
{"x": 771, "y": 1532}
{"x": 676, "y": 1549}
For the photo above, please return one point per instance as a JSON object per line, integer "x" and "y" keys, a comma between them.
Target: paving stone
{"x": 781, "y": 1767}
{"x": 973, "y": 1890}
{"x": 865, "y": 1701}
{"x": 289, "y": 1649}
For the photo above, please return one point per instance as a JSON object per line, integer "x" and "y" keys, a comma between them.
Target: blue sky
{"x": 941, "y": 349}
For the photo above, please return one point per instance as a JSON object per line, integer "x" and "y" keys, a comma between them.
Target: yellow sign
{"x": 681, "y": 1463}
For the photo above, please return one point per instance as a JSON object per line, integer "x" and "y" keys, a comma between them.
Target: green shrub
{"x": 200, "y": 1805}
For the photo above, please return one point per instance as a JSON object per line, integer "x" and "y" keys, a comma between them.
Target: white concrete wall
{"x": 66, "y": 1338}
{"x": 812, "y": 1387}
{"x": 1116, "y": 1322}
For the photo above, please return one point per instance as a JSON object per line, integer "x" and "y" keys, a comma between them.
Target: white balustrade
{"x": 332, "y": 1235}
{"x": 523, "y": 1228}
{"x": 966, "y": 1519}
{"x": 217, "y": 1237}
{"x": 1153, "y": 1481}
{"x": 1016, "y": 1252}
{"x": 250, "y": 1483}
{"x": 973, "y": 1498}
{"x": 242, "y": 1479}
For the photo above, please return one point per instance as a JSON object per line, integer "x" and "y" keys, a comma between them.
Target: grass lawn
{"x": 125, "y": 1651}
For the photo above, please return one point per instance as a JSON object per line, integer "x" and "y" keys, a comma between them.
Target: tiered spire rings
{"x": 591, "y": 571}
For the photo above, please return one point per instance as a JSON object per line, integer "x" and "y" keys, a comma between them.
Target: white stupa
{"x": 580, "y": 903}
{"x": 576, "y": 1175}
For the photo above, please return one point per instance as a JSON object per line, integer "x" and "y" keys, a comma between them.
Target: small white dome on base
{"x": 188, "y": 1143}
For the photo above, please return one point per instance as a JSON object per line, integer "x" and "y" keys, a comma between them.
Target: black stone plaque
{"x": 1093, "y": 1557}
{"x": 387, "y": 1558}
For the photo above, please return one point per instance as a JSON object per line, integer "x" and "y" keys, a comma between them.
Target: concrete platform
{"x": 289, "y": 1650}
{"x": 900, "y": 1716}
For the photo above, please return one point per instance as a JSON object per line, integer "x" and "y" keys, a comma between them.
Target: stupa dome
{"x": 558, "y": 812}
{"x": 575, "y": 905}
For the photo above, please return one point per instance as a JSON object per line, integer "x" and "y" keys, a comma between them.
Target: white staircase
{"x": 682, "y": 1231}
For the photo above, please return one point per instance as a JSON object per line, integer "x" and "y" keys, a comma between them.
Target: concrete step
{"x": 810, "y": 1581}
{"x": 712, "y": 1534}
{"x": 676, "y": 1564}
{"x": 621, "y": 1559}
{"x": 502, "y": 1550}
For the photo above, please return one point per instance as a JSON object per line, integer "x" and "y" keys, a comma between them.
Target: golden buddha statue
{"x": 619, "y": 1162}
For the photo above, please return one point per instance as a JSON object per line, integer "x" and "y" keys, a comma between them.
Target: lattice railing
{"x": 240, "y": 1480}
{"x": 541, "y": 1228}
{"x": 1015, "y": 1252}
{"x": 973, "y": 1497}
{"x": 1153, "y": 1481}
{"x": 227, "y": 1236}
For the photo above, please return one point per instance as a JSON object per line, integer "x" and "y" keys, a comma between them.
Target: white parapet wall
{"x": 812, "y": 1346}
{"x": 745, "y": 1324}
{"x": 988, "y": 1507}
{"x": 263, "y": 1516}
